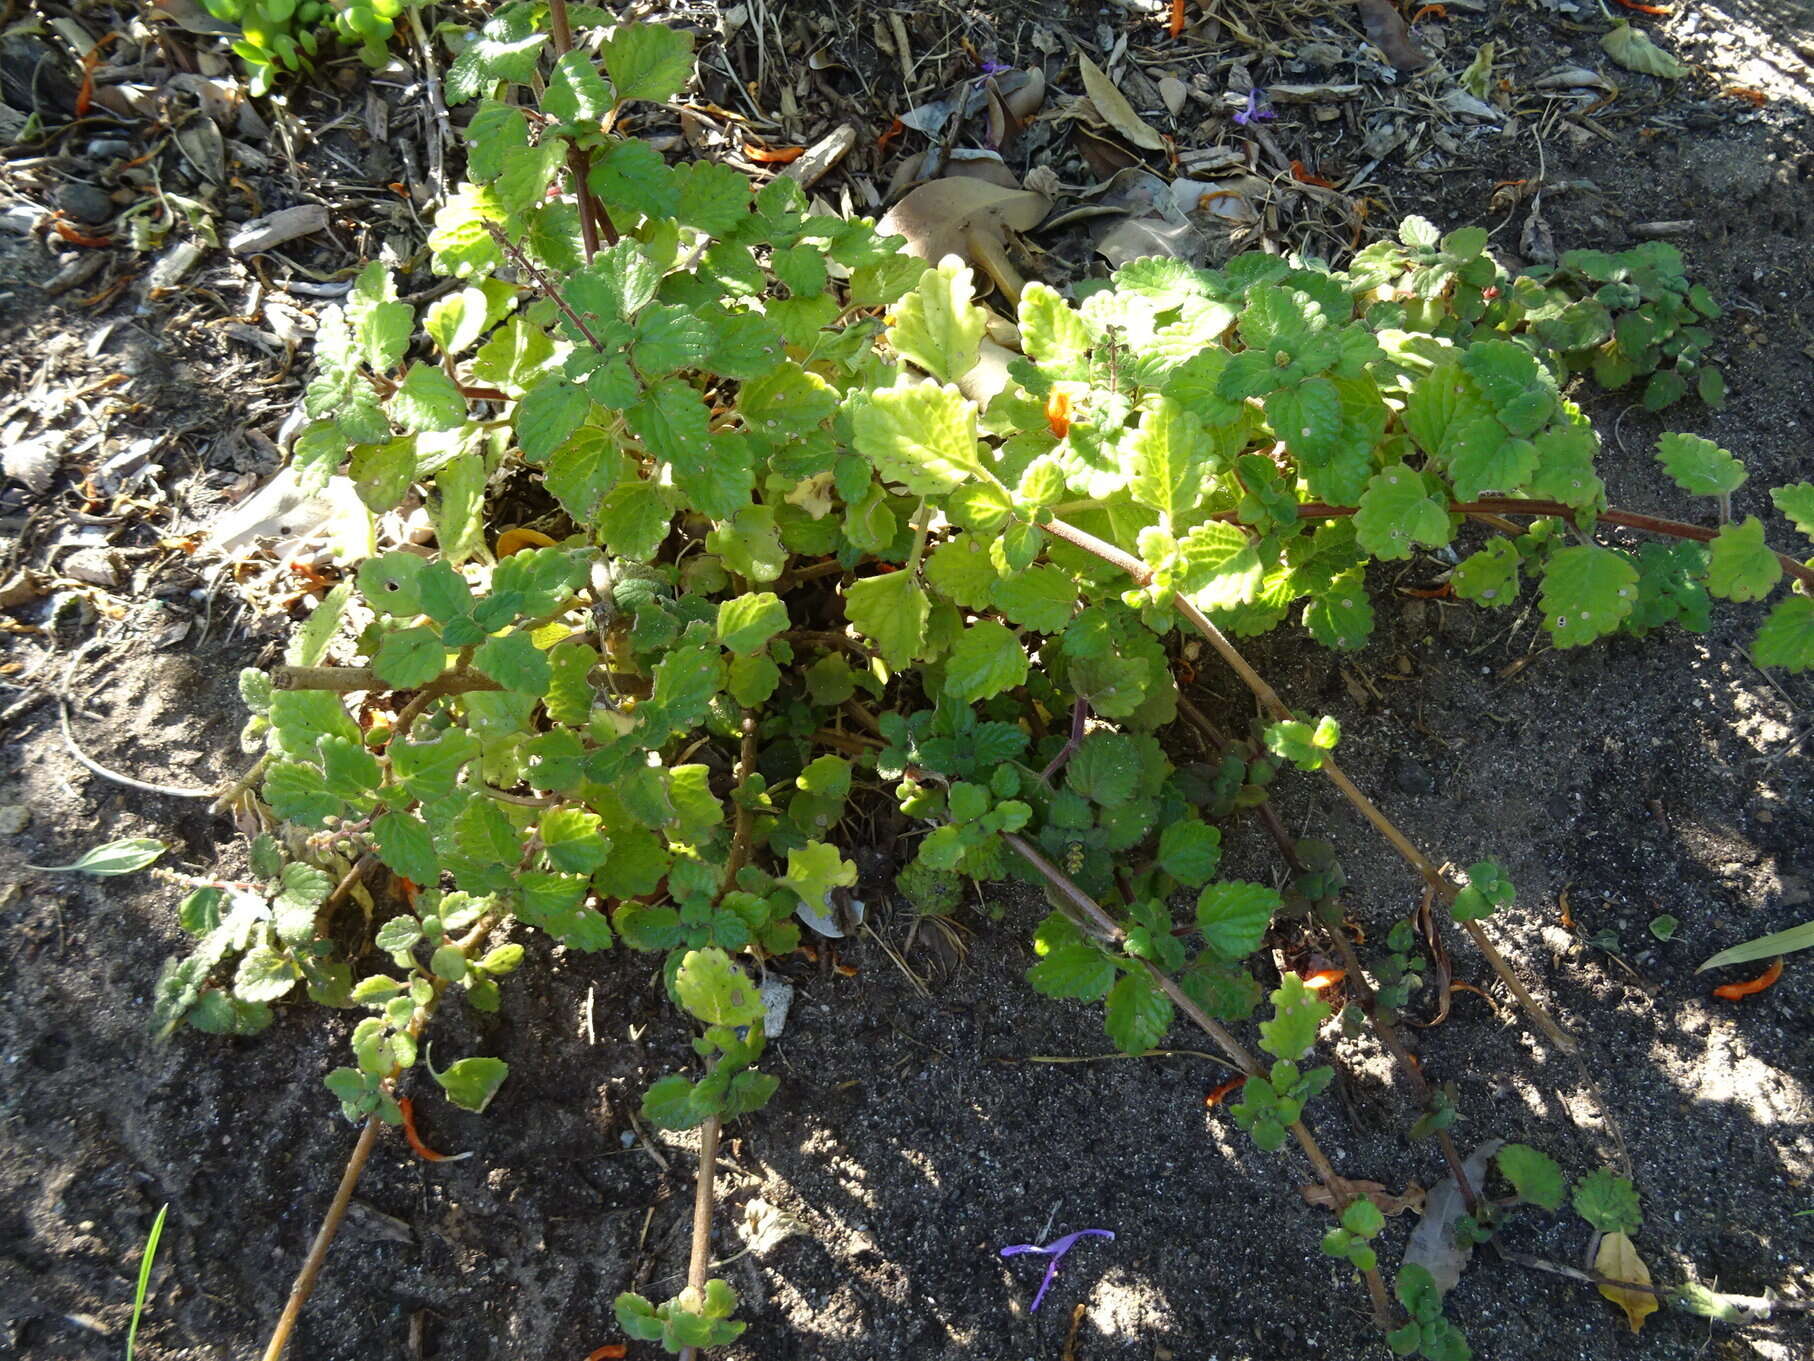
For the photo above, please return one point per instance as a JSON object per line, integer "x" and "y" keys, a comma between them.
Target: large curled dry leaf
{"x": 1635, "y": 52}
{"x": 1387, "y": 30}
{"x": 1433, "y": 1245}
{"x": 968, "y": 218}
{"x": 1618, "y": 1258}
{"x": 1113, "y": 106}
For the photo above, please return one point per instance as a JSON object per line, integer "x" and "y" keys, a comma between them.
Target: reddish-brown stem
{"x": 541, "y": 280}
{"x": 1512, "y": 505}
{"x": 1099, "y": 923}
{"x": 699, "y": 1261}
{"x": 593, "y": 223}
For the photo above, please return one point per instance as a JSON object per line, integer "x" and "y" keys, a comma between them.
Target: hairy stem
{"x": 304, "y": 1284}
{"x": 1099, "y": 923}
{"x": 593, "y": 223}
{"x": 699, "y": 1261}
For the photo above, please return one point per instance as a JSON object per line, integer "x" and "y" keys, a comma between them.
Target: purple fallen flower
{"x": 1253, "y": 113}
{"x": 995, "y": 68}
{"x": 1056, "y": 1250}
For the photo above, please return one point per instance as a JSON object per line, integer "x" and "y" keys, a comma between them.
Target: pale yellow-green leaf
{"x": 937, "y": 326}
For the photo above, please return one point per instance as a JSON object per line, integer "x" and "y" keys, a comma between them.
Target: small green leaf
{"x": 514, "y": 662}
{"x": 116, "y": 857}
{"x": 1664, "y": 926}
{"x": 1297, "y": 1015}
{"x": 1699, "y": 466}
{"x": 1233, "y": 917}
{"x": 1787, "y": 637}
{"x": 471, "y": 1083}
{"x": 922, "y": 437}
{"x": 1189, "y": 851}
{"x": 264, "y": 975}
{"x": 406, "y": 848}
{"x": 409, "y": 658}
{"x": 1587, "y": 593}
{"x": 1138, "y": 1013}
{"x": 1533, "y": 1175}
{"x": 747, "y": 622}
{"x": 649, "y": 61}
{"x": 813, "y": 870}
{"x": 892, "y": 611}
{"x": 715, "y": 990}
{"x": 1487, "y": 890}
{"x": 1608, "y": 1201}
{"x": 1741, "y": 565}
{"x": 1797, "y": 502}
{"x": 1398, "y": 511}
{"x": 427, "y": 399}
{"x": 937, "y": 326}
{"x": 986, "y": 660}
{"x": 1078, "y": 970}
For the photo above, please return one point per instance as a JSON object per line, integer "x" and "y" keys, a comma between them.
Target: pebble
{"x": 85, "y": 202}
{"x": 1410, "y": 777}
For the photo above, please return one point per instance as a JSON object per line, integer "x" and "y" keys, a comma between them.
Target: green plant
{"x": 286, "y": 35}
{"x": 144, "y": 1281}
{"x": 809, "y": 557}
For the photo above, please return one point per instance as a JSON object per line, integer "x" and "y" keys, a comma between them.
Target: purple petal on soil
{"x": 1056, "y": 1250}
{"x": 995, "y": 68}
{"x": 1253, "y": 113}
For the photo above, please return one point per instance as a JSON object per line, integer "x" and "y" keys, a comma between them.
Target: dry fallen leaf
{"x": 1113, "y": 106}
{"x": 967, "y": 217}
{"x": 1618, "y": 1258}
{"x": 1388, "y": 1204}
{"x": 1386, "y": 30}
{"x": 1433, "y": 1245}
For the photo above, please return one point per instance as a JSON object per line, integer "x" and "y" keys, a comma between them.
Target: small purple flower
{"x": 1056, "y": 1250}
{"x": 1253, "y": 113}
{"x": 995, "y": 68}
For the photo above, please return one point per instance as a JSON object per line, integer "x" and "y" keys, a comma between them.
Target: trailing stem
{"x": 304, "y": 1284}
{"x": 1444, "y": 887}
{"x": 699, "y": 1259}
{"x": 1100, "y": 924}
{"x": 1356, "y": 977}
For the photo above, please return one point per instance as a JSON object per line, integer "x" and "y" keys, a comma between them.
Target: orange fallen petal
{"x": 781, "y": 155}
{"x": 1177, "y": 24}
{"x": 1058, "y": 413}
{"x": 1432, "y": 593}
{"x": 611, "y": 1351}
{"x": 415, "y": 1140}
{"x": 1323, "y": 978}
{"x": 1303, "y": 176}
{"x": 1645, "y": 9}
{"x": 1218, "y": 1094}
{"x": 76, "y": 238}
{"x": 516, "y": 540}
{"x": 1429, "y": 12}
{"x": 1746, "y": 93}
{"x": 1733, "y": 992}
{"x": 895, "y": 129}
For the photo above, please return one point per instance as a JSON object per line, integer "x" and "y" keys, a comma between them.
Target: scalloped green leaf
{"x": 1234, "y": 915}
{"x": 1397, "y": 512}
{"x": 922, "y": 437}
{"x": 1699, "y": 466}
{"x": 1138, "y": 1013}
{"x": 986, "y": 659}
{"x": 1587, "y": 593}
{"x": 1787, "y": 637}
{"x": 1740, "y": 564}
